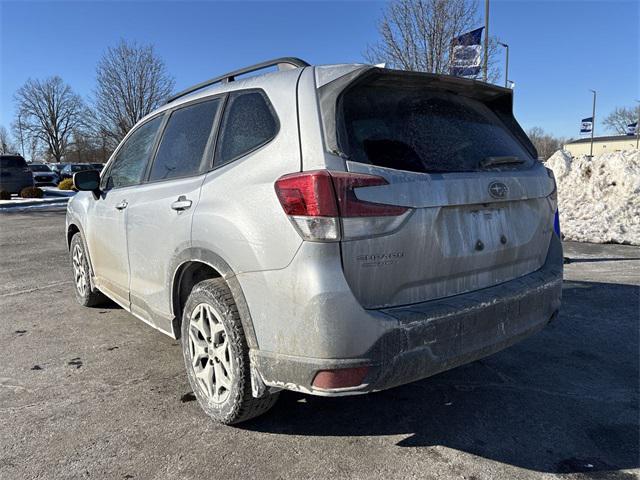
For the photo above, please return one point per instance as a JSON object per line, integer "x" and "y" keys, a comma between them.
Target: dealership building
{"x": 601, "y": 145}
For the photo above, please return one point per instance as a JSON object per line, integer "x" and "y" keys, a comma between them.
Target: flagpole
{"x": 638, "y": 127}
{"x": 486, "y": 40}
{"x": 593, "y": 121}
{"x": 506, "y": 67}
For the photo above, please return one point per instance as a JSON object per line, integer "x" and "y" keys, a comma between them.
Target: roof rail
{"x": 283, "y": 63}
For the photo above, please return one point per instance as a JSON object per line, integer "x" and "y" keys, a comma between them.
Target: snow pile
{"x": 599, "y": 198}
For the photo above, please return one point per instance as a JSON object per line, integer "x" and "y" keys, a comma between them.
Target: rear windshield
{"x": 12, "y": 162}
{"x": 39, "y": 168}
{"x": 409, "y": 127}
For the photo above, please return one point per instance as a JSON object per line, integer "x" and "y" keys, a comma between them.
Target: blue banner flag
{"x": 632, "y": 128}
{"x": 466, "y": 54}
{"x": 586, "y": 125}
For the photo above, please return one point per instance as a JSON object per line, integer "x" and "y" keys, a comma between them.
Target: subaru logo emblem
{"x": 498, "y": 189}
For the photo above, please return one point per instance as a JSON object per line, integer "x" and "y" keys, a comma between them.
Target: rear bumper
{"x": 431, "y": 337}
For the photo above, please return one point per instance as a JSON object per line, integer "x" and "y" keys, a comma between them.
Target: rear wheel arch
{"x": 195, "y": 266}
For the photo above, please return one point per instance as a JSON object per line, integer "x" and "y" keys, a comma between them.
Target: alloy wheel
{"x": 210, "y": 353}
{"x": 79, "y": 272}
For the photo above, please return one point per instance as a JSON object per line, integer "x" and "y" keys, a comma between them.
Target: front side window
{"x": 130, "y": 163}
{"x": 248, "y": 123}
{"x": 184, "y": 142}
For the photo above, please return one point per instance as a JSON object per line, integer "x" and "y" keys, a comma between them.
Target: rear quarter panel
{"x": 239, "y": 217}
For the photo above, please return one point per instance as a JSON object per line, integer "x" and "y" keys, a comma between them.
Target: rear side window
{"x": 185, "y": 141}
{"x": 409, "y": 127}
{"x": 132, "y": 158}
{"x": 12, "y": 161}
{"x": 248, "y": 123}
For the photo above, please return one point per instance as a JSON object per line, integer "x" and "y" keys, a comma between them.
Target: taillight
{"x": 348, "y": 203}
{"x": 323, "y": 206}
{"x": 310, "y": 194}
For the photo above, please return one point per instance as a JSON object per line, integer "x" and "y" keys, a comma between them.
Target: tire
{"x": 216, "y": 355}
{"x": 85, "y": 296}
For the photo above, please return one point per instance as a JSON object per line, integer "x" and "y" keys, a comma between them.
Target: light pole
{"x": 20, "y": 132}
{"x": 506, "y": 67}
{"x": 486, "y": 40}
{"x": 593, "y": 121}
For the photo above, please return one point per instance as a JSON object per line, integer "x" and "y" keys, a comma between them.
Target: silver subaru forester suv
{"x": 332, "y": 230}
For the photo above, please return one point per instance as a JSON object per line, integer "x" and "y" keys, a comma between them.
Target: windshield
{"x": 410, "y": 127}
{"x": 12, "y": 162}
{"x": 39, "y": 168}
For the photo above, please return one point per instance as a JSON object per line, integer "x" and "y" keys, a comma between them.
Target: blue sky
{"x": 559, "y": 49}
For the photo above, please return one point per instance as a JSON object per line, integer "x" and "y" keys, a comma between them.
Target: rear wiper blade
{"x": 507, "y": 160}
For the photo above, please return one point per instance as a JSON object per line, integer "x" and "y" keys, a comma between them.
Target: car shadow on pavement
{"x": 564, "y": 400}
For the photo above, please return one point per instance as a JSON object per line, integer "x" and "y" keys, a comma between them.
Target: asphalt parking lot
{"x": 95, "y": 393}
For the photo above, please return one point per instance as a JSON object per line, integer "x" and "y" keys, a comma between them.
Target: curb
{"x": 49, "y": 201}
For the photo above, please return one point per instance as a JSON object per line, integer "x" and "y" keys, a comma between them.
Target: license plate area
{"x": 471, "y": 229}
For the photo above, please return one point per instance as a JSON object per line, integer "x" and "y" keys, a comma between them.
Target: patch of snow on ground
{"x": 599, "y": 197}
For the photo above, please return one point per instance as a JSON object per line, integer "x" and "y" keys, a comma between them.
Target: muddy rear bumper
{"x": 435, "y": 336}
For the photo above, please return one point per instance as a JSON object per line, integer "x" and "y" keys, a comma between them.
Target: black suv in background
{"x": 14, "y": 173}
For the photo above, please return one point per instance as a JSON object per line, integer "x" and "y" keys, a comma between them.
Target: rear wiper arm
{"x": 507, "y": 160}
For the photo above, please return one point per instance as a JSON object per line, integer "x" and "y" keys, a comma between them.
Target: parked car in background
{"x": 43, "y": 175}
{"x": 332, "y": 230}
{"x": 14, "y": 173}
{"x": 57, "y": 168}
{"x": 71, "y": 168}
{"x": 97, "y": 166}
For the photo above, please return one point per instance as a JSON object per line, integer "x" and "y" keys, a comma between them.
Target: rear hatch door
{"x": 482, "y": 207}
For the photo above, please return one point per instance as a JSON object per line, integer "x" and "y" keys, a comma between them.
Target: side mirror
{"x": 87, "y": 180}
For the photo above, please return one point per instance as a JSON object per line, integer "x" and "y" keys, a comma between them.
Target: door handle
{"x": 183, "y": 203}
{"x": 122, "y": 205}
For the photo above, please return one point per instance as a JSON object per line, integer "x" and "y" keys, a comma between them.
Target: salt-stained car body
{"x": 327, "y": 229}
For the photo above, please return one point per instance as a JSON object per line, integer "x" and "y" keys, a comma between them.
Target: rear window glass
{"x": 12, "y": 162}
{"x": 39, "y": 168}
{"x": 247, "y": 124}
{"x": 185, "y": 141}
{"x": 409, "y": 127}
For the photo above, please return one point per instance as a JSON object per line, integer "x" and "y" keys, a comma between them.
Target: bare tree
{"x": 618, "y": 120}
{"x": 49, "y": 111}
{"x": 6, "y": 145}
{"x": 545, "y": 143}
{"x": 132, "y": 81}
{"x": 87, "y": 147}
{"x": 417, "y": 35}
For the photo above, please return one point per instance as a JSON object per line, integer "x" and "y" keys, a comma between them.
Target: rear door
{"x": 481, "y": 210}
{"x": 160, "y": 211}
